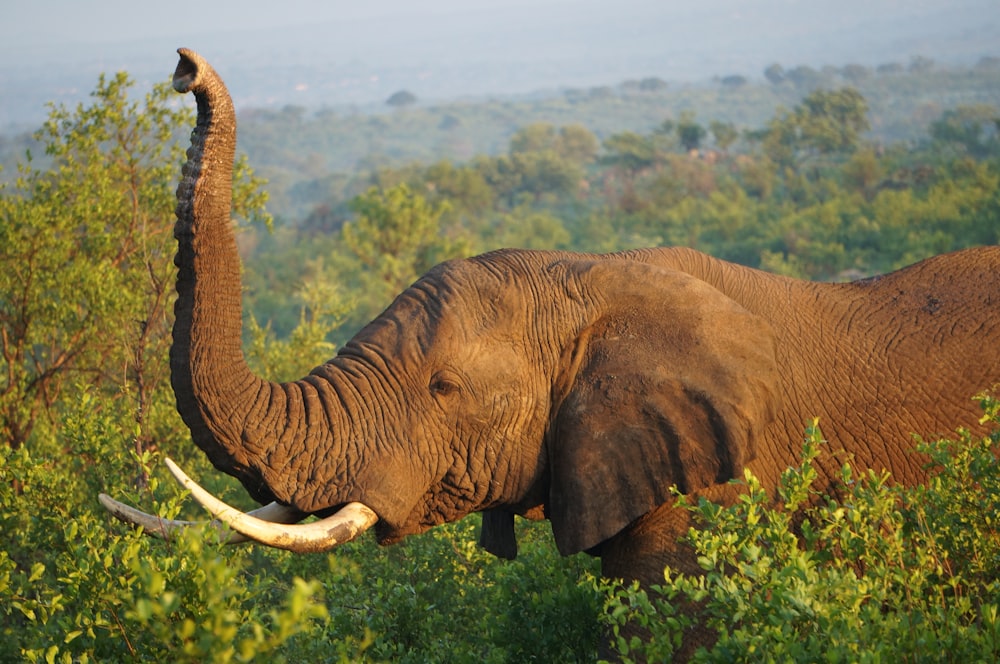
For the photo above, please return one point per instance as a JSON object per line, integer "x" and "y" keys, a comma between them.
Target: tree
{"x": 601, "y": 92}
{"x": 449, "y": 122}
{"x": 889, "y": 68}
{"x": 724, "y": 134}
{"x": 665, "y": 128}
{"x": 664, "y": 138}
{"x": 546, "y": 174}
{"x": 533, "y": 138}
{"x": 87, "y": 252}
{"x": 774, "y": 73}
{"x": 463, "y": 187}
{"x": 629, "y": 151}
{"x": 855, "y": 73}
{"x": 779, "y": 140}
{"x": 920, "y": 64}
{"x": 630, "y": 87}
{"x": 974, "y": 129}
{"x": 689, "y": 132}
{"x": 864, "y": 172}
{"x": 805, "y": 77}
{"x": 832, "y": 120}
{"x": 652, "y": 84}
{"x": 500, "y": 174}
{"x": 577, "y": 143}
{"x": 537, "y": 175}
{"x": 396, "y": 237}
{"x": 826, "y": 122}
{"x": 526, "y": 228}
{"x": 401, "y": 99}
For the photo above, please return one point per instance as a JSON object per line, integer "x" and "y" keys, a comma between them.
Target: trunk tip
{"x": 188, "y": 68}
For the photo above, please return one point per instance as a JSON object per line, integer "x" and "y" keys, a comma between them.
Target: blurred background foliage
{"x": 829, "y": 175}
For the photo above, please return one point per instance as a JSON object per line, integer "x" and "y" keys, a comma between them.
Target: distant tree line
{"x": 806, "y": 194}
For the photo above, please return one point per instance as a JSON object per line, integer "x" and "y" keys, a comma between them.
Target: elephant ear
{"x": 670, "y": 384}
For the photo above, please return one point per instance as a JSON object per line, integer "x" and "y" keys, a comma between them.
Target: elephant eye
{"x": 443, "y": 384}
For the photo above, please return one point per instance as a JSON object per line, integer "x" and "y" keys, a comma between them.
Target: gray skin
{"x": 574, "y": 387}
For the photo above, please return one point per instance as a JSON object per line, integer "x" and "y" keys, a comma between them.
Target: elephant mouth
{"x": 273, "y": 525}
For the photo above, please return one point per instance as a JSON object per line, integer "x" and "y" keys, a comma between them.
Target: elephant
{"x": 585, "y": 389}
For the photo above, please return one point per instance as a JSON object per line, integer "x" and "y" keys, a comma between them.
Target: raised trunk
{"x": 214, "y": 387}
{"x": 248, "y": 427}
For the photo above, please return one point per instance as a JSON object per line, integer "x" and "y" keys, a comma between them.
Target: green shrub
{"x": 75, "y": 585}
{"x": 880, "y": 574}
{"x": 438, "y": 597}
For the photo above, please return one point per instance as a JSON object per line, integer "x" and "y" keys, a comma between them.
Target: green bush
{"x": 438, "y": 597}
{"x": 879, "y": 574}
{"x": 75, "y": 586}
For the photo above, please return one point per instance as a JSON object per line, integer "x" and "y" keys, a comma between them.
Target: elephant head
{"x": 574, "y": 387}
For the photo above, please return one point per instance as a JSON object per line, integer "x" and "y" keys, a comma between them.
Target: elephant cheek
{"x": 394, "y": 489}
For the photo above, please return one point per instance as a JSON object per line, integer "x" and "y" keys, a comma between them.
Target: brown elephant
{"x": 574, "y": 387}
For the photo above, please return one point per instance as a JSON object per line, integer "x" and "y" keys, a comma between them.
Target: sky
{"x": 56, "y": 22}
{"x": 54, "y": 49}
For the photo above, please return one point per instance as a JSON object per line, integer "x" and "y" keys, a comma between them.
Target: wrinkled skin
{"x": 573, "y": 387}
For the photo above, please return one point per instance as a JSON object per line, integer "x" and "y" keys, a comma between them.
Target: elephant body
{"x": 574, "y": 387}
{"x": 877, "y": 361}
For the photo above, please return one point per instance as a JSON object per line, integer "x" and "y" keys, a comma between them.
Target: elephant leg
{"x": 647, "y": 547}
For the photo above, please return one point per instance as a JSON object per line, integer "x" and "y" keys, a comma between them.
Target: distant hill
{"x": 308, "y": 154}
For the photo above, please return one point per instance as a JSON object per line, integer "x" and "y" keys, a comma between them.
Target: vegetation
{"x": 306, "y": 167}
{"x": 77, "y": 587}
{"x": 804, "y": 195}
{"x": 85, "y": 312}
{"x": 879, "y": 573}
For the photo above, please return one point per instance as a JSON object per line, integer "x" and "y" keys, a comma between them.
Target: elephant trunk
{"x": 250, "y": 428}
{"x": 214, "y": 387}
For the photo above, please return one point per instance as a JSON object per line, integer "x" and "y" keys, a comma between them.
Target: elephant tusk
{"x": 165, "y": 528}
{"x": 343, "y": 526}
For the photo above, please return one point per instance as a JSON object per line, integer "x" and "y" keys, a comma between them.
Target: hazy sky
{"x": 58, "y": 22}
{"x": 98, "y": 21}
{"x": 54, "y": 49}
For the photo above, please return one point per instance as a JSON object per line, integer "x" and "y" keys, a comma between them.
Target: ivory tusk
{"x": 349, "y": 522}
{"x": 165, "y": 528}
